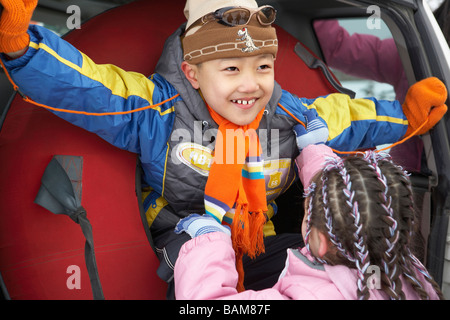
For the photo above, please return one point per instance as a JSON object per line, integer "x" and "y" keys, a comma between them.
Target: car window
{"x": 362, "y": 54}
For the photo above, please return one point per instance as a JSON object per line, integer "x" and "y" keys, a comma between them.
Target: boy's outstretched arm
{"x": 14, "y": 20}
{"x": 70, "y": 83}
{"x": 367, "y": 122}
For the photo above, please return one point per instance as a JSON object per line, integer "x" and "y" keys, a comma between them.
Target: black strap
{"x": 4, "y": 294}
{"x": 312, "y": 62}
{"x": 60, "y": 193}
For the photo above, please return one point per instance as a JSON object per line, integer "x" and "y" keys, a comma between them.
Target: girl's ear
{"x": 190, "y": 71}
{"x": 318, "y": 243}
{"x": 323, "y": 245}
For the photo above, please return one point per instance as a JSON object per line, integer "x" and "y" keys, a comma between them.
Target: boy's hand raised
{"x": 425, "y": 102}
{"x": 14, "y": 21}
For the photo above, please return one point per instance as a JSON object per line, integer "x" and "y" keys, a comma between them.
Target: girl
{"x": 360, "y": 214}
{"x": 358, "y": 220}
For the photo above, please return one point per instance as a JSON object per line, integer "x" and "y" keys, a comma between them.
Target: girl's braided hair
{"x": 365, "y": 206}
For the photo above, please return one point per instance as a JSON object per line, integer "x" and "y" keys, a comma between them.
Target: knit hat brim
{"x": 217, "y": 41}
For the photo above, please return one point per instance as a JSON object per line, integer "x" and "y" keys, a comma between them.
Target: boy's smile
{"x": 245, "y": 104}
{"x": 237, "y": 88}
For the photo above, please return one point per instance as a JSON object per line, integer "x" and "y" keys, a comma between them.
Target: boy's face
{"x": 236, "y": 88}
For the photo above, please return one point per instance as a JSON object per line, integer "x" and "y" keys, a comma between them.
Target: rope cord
{"x": 25, "y": 98}
{"x": 97, "y": 114}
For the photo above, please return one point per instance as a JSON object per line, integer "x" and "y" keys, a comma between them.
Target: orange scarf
{"x": 236, "y": 179}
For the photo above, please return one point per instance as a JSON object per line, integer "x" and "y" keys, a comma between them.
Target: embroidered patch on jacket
{"x": 195, "y": 156}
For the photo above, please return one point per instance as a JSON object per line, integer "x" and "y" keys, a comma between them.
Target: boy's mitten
{"x": 196, "y": 225}
{"x": 14, "y": 21}
{"x": 425, "y": 101}
{"x": 316, "y": 131}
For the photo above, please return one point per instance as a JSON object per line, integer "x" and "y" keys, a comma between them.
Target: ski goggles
{"x": 236, "y": 16}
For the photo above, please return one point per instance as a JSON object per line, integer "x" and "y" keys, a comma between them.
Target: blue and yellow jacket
{"x": 175, "y": 139}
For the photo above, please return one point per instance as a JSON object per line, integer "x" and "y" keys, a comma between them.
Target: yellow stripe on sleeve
{"x": 338, "y": 111}
{"x": 54, "y": 54}
{"x": 112, "y": 77}
{"x": 392, "y": 120}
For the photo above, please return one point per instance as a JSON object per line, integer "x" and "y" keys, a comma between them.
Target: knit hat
{"x": 213, "y": 40}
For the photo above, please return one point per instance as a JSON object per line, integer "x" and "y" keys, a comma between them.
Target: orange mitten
{"x": 14, "y": 23}
{"x": 425, "y": 101}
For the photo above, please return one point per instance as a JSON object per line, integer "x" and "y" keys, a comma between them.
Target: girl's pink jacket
{"x": 205, "y": 268}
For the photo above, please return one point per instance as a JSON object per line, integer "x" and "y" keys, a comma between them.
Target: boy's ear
{"x": 190, "y": 71}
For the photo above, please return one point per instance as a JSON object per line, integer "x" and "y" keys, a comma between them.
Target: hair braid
{"x": 337, "y": 173}
{"x": 334, "y": 215}
{"x": 400, "y": 193}
{"x": 416, "y": 263}
{"x": 389, "y": 257}
{"x": 361, "y": 211}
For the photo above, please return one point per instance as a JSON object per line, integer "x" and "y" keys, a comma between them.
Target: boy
{"x": 221, "y": 63}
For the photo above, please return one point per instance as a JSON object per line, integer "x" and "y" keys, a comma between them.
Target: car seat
{"x": 42, "y": 255}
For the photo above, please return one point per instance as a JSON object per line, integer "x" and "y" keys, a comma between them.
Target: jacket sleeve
{"x": 56, "y": 74}
{"x": 205, "y": 269}
{"x": 353, "y": 123}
